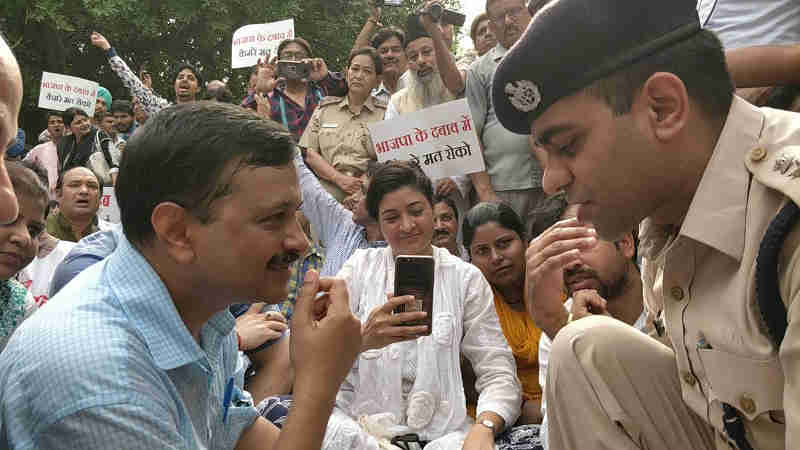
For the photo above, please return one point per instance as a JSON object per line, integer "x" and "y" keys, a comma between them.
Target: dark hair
{"x": 50, "y": 113}
{"x": 188, "y": 154}
{"x": 450, "y": 202}
{"x": 391, "y": 176}
{"x": 29, "y": 178}
{"x": 372, "y": 53}
{"x": 99, "y": 116}
{"x": 70, "y": 113}
{"x": 194, "y": 72}
{"x": 299, "y": 41}
{"x": 698, "y": 61}
{"x": 122, "y": 106}
{"x": 63, "y": 174}
{"x": 486, "y": 212}
{"x": 386, "y": 33}
{"x": 222, "y": 94}
{"x": 473, "y": 29}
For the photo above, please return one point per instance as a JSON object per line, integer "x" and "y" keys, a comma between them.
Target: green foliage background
{"x": 53, "y": 36}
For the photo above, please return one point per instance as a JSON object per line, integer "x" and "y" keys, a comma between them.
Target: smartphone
{"x": 413, "y": 275}
{"x": 293, "y": 70}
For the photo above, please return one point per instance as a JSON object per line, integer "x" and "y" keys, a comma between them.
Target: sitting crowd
{"x": 246, "y": 297}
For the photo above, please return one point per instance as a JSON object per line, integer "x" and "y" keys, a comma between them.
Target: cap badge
{"x": 524, "y": 95}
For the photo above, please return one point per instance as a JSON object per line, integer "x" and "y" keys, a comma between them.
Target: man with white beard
{"x": 432, "y": 79}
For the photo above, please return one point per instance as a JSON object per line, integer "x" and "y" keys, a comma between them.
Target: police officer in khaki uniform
{"x": 633, "y": 106}
{"x": 337, "y": 141}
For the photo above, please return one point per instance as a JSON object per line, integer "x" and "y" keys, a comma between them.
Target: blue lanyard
{"x": 282, "y": 104}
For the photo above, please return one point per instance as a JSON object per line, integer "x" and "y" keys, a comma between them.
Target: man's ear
{"x": 626, "y": 246}
{"x": 170, "y": 222}
{"x": 666, "y": 100}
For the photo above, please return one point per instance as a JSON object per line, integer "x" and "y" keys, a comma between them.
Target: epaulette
{"x": 777, "y": 168}
{"x": 330, "y": 100}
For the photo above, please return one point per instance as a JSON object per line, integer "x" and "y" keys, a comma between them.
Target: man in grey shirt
{"x": 512, "y": 172}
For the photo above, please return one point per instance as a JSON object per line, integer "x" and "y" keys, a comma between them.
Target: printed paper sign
{"x": 439, "y": 138}
{"x": 109, "y": 210}
{"x": 259, "y": 41}
{"x": 59, "y": 92}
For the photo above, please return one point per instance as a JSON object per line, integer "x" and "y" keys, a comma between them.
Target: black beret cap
{"x": 414, "y": 29}
{"x": 572, "y": 43}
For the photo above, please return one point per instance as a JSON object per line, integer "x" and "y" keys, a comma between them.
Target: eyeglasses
{"x": 512, "y": 13}
{"x": 293, "y": 56}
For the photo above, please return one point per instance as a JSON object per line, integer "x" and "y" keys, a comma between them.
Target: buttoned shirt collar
{"x": 153, "y": 313}
{"x": 368, "y": 103}
{"x": 717, "y": 214}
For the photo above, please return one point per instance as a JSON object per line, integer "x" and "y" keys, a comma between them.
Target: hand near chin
{"x": 588, "y": 302}
{"x": 545, "y": 260}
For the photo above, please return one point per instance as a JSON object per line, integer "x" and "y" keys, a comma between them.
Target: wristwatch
{"x": 488, "y": 424}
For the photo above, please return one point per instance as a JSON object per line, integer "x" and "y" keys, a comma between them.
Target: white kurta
{"x": 464, "y": 320}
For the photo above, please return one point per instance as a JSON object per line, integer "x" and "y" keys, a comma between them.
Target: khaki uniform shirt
{"x": 342, "y": 137}
{"x": 700, "y": 280}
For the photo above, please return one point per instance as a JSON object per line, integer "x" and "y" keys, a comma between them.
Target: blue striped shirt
{"x": 333, "y": 222}
{"x": 108, "y": 363}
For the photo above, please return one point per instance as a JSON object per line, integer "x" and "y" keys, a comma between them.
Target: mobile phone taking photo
{"x": 413, "y": 275}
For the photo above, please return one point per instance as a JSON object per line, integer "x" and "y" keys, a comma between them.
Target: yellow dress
{"x": 523, "y": 338}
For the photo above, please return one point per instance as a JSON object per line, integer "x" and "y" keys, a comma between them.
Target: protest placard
{"x": 259, "y": 41}
{"x": 439, "y": 138}
{"x": 109, "y": 210}
{"x": 59, "y": 92}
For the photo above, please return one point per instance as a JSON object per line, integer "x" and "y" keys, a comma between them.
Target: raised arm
{"x": 772, "y": 65}
{"x": 372, "y": 23}
{"x": 151, "y": 102}
{"x": 451, "y": 76}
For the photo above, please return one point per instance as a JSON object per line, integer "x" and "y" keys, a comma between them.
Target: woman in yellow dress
{"x": 494, "y": 235}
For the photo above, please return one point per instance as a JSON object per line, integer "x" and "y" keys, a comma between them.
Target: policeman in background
{"x": 633, "y": 105}
{"x": 337, "y": 144}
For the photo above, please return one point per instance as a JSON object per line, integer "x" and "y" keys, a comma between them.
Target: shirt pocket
{"x": 443, "y": 328}
{"x": 752, "y": 386}
{"x": 329, "y": 137}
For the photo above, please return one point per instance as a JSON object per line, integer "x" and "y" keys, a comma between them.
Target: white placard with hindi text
{"x": 440, "y": 138}
{"x": 259, "y": 41}
{"x": 109, "y": 210}
{"x": 59, "y": 92}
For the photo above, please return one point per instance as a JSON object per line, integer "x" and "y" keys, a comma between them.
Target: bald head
{"x": 10, "y": 101}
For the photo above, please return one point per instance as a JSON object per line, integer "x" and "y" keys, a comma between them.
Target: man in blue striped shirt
{"x": 139, "y": 350}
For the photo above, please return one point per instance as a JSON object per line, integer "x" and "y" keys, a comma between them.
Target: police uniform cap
{"x": 569, "y": 44}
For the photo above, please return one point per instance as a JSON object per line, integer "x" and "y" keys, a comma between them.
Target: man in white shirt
{"x": 606, "y": 281}
{"x": 46, "y": 153}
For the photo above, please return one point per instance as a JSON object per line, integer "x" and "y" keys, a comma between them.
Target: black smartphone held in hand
{"x": 293, "y": 70}
{"x": 413, "y": 275}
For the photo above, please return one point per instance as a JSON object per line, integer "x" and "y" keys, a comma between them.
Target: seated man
{"x": 147, "y": 356}
{"x": 605, "y": 281}
{"x": 445, "y": 227}
{"x": 78, "y": 193}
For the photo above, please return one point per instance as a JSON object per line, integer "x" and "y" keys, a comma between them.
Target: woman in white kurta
{"x": 403, "y": 383}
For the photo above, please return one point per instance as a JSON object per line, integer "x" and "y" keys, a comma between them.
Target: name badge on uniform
{"x": 330, "y": 125}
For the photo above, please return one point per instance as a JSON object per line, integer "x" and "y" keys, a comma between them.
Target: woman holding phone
{"x": 406, "y": 385}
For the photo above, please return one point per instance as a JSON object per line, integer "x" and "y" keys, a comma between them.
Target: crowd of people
{"x": 621, "y": 275}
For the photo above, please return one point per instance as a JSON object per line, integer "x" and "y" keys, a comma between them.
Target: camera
{"x": 439, "y": 13}
{"x": 293, "y": 70}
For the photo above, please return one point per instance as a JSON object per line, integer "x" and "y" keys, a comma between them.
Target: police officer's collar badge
{"x": 523, "y": 95}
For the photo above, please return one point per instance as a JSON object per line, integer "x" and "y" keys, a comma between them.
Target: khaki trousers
{"x": 610, "y": 386}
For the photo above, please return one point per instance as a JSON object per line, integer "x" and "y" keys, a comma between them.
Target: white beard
{"x": 425, "y": 92}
